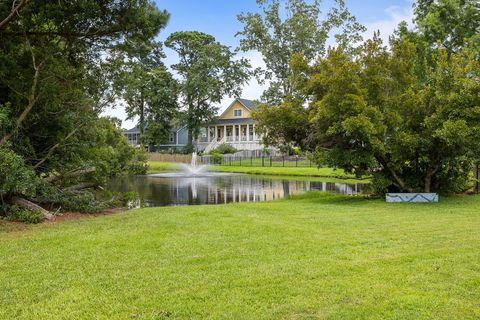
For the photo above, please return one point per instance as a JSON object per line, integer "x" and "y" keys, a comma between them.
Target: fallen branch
{"x": 32, "y": 206}
{"x": 80, "y": 186}
{"x": 73, "y": 174}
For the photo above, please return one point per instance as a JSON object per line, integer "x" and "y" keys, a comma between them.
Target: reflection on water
{"x": 156, "y": 191}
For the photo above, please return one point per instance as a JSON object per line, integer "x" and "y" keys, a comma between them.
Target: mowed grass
{"x": 159, "y": 166}
{"x": 286, "y": 171}
{"x": 314, "y": 256}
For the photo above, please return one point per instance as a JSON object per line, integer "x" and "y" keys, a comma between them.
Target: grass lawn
{"x": 159, "y": 166}
{"x": 314, "y": 256}
{"x": 287, "y": 171}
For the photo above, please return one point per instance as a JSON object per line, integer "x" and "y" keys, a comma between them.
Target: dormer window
{"x": 237, "y": 112}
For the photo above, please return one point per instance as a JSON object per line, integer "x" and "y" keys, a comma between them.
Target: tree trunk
{"x": 427, "y": 184}
{"x": 427, "y": 180}
{"x": 398, "y": 180}
{"x": 32, "y": 206}
{"x": 190, "y": 136}
{"x": 142, "y": 113}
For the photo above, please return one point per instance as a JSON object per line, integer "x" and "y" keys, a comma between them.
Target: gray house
{"x": 177, "y": 138}
{"x": 235, "y": 126}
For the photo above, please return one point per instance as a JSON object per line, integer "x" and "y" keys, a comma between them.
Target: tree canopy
{"x": 281, "y": 31}
{"x": 147, "y": 87}
{"x": 208, "y": 72}
{"x": 376, "y": 112}
{"x": 54, "y": 83}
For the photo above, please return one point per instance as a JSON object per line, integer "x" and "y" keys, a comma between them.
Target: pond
{"x": 165, "y": 190}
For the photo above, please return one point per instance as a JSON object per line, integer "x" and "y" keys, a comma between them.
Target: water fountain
{"x": 193, "y": 170}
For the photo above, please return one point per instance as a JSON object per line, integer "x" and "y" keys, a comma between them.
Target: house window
{"x": 237, "y": 112}
{"x": 172, "y": 137}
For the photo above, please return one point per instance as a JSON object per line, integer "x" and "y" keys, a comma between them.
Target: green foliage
{"x": 282, "y": 125}
{"x": 282, "y": 31}
{"x": 448, "y": 22}
{"x": 217, "y": 157}
{"x": 224, "y": 148}
{"x": 149, "y": 90}
{"x": 55, "y": 80}
{"x": 15, "y": 176}
{"x": 16, "y": 213}
{"x": 377, "y": 114}
{"x": 208, "y": 71}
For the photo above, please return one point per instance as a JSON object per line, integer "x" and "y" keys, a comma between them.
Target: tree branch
{"x": 32, "y": 99}
{"x": 32, "y": 206}
{"x": 50, "y": 151}
{"x": 70, "y": 175}
{"x": 393, "y": 173}
{"x": 13, "y": 14}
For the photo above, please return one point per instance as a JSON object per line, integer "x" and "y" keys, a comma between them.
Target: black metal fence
{"x": 262, "y": 161}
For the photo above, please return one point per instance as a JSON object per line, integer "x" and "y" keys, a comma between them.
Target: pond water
{"x": 165, "y": 190}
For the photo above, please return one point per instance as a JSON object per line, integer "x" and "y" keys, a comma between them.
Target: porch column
{"x": 215, "y": 135}
{"x": 248, "y": 133}
{"x": 254, "y": 133}
{"x": 208, "y": 133}
{"x": 225, "y": 132}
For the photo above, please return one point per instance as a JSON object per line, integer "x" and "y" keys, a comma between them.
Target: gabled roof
{"x": 133, "y": 130}
{"x": 247, "y": 103}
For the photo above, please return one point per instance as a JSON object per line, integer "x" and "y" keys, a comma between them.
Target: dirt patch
{"x": 80, "y": 215}
{"x": 12, "y": 226}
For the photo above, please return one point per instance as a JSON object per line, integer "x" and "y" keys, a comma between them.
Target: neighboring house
{"x": 177, "y": 138}
{"x": 235, "y": 126}
{"x": 133, "y": 136}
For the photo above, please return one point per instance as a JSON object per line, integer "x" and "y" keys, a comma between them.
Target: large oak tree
{"x": 208, "y": 71}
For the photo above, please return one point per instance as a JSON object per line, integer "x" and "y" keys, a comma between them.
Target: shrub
{"x": 224, "y": 148}
{"x": 216, "y": 157}
{"x": 15, "y": 177}
{"x": 16, "y": 213}
{"x": 188, "y": 149}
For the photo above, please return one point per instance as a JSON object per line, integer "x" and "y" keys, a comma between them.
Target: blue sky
{"x": 218, "y": 18}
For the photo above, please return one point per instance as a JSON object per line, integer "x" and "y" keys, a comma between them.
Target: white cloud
{"x": 253, "y": 90}
{"x": 387, "y": 26}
